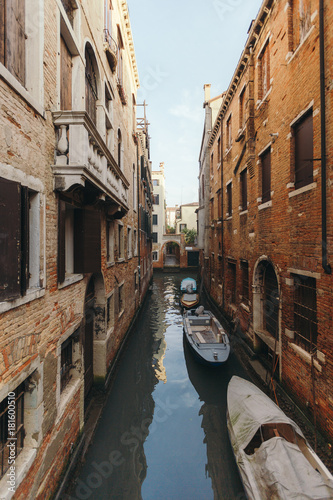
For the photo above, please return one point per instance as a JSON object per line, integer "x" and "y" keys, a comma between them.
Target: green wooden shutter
{"x": 15, "y": 39}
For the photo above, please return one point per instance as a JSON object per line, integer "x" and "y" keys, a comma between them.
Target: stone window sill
{"x": 32, "y": 294}
{"x": 303, "y": 189}
{"x": 70, "y": 280}
{"x": 305, "y": 356}
{"x": 267, "y": 204}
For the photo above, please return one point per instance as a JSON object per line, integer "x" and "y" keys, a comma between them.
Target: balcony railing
{"x": 82, "y": 156}
{"x": 111, "y": 49}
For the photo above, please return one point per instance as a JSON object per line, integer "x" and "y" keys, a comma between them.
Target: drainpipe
{"x": 327, "y": 268}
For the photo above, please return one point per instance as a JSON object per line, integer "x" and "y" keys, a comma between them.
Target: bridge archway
{"x": 171, "y": 254}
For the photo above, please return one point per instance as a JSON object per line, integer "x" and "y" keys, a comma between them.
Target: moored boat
{"x": 189, "y": 297}
{"x": 206, "y": 337}
{"x": 274, "y": 459}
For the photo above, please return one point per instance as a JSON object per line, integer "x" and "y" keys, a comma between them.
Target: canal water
{"x": 163, "y": 433}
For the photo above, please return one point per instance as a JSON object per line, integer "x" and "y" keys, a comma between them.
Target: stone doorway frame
{"x": 259, "y": 333}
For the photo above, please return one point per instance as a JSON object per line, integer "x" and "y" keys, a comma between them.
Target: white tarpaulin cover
{"x": 277, "y": 469}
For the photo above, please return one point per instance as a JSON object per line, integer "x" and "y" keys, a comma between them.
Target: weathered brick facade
{"x": 267, "y": 266}
{"x": 70, "y": 197}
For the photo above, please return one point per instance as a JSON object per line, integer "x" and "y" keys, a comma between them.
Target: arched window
{"x": 91, "y": 83}
{"x": 119, "y": 149}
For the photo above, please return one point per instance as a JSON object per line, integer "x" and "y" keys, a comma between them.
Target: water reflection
{"x": 163, "y": 430}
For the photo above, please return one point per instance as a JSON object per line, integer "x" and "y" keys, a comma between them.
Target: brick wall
{"x": 283, "y": 233}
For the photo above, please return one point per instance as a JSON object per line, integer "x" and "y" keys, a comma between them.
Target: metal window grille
{"x": 66, "y": 363}
{"x": 18, "y": 432}
{"x": 305, "y": 312}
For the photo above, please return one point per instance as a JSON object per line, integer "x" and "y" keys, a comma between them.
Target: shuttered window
{"x": 245, "y": 280}
{"x": 303, "y": 137}
{"x": 264, "y": 72}
{"x": 266, "y": 176}
{"x": 229, "y": 199}
{"x": 79, "y": 241}
{"x": 91, "y": 85}
{"x": 14, "y": 239}
{"x": 12, "y": 37}
{"x": 243, "y": 186}
{"x": 65, "y": 76}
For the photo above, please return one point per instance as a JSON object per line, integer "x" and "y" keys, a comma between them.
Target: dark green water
{"x": 163, "y": 433}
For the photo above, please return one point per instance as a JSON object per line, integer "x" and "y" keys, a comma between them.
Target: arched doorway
{"x": 266, "y": 310}
{"x": 171, "y": 254}
{"x": 88, "y": 337}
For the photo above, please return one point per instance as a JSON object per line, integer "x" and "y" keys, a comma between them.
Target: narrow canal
{"x": 162, "y": 433}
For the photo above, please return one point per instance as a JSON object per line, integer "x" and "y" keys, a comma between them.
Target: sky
{"x": 180, "y": 45}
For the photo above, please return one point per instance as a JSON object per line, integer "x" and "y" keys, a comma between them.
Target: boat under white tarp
{"x": 274, "y": 459}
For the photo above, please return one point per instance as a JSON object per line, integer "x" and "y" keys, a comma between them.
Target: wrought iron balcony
{"x": 83, "y": 159}
{"x": 111, "y": 50}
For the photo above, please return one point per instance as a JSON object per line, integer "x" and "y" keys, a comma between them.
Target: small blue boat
{"x": 190, "y": 297}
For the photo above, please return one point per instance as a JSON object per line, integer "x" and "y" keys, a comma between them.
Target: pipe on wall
{"x": 326, "y": 266}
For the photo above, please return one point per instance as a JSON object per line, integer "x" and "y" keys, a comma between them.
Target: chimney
{"x": 207, "y": 91}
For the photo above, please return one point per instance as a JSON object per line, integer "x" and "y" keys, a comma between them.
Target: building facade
{"x": 70, "y": 177}
{"x": 269, "y": 257}
{"x": 158, "y": 216}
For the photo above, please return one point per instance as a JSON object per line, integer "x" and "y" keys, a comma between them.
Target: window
{"x": 91, "y": 84}
{"x": 69, "y": 9}
{"x": 119, "y": 150}
{"x": 243, "y": 188}
{"x": 242, "y": 109}
{"x": 155, "y": 256}
{"x": 212, "y": 163}
{"x": 211, "y": 209}
{"x": 110, "y": 241}
{"x": 65, "y": 76}
{"x": 303, "y": 141}
{"x": 121, "y": 298}
{"x": 264, "y": 72}
{"x": 266, "y": 176}
{"x": 136, "y": 281}
{"x": 232, "y": 282}
{"x": 135, "y": 242}
{"x": 120, "y": 58}
{"x": 182, "y": 227}
{"x": 110, "y": 312}
{"x": 19, "y": 239}
{"x": 300, "y": 22}
{"x": 14, "y": 402}
{"x": 219, "y": 150}
{"x": 129, "y": 242}
{"x": 156, "y": 199}
{"x": 108, "y": 16}
{"x": 229, "y": 133}
{"x": 155, "y": 220}
{"x": 156, "y": 182}
{"x": 13, "y": 38}
{"x": 219, "y": 204}
{"x": 229, "y": 199}
{"x": 245, "y": 280}
{"x": 155, "y": 237}
{"x": 79, "y": 240}
{"x": 121, "y": 249}
{"x": 305, "y": 312}
{"x": 66, "y": 362}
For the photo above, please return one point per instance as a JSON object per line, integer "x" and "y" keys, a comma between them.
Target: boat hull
{"x": 206, "y": 352}
{"x": 274, "y": 459}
